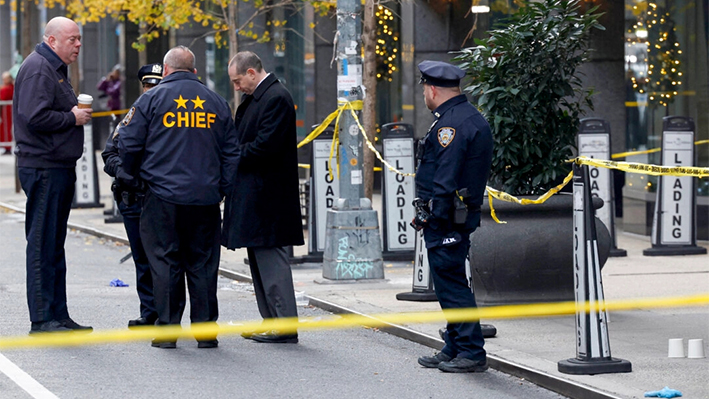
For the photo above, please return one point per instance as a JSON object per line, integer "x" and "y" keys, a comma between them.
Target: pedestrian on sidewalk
{"x": 129, "y": 193}
{"x": 49, "y": 136}
{"x": 110, "y": 85}
{"x": 453, "y": 164}
{"x": 262, "y": 213}
{"x": 6, "y": 92}
{"x": 180, "y": 140}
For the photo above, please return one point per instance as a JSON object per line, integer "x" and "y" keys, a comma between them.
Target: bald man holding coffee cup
{"x": 49, "y": 134}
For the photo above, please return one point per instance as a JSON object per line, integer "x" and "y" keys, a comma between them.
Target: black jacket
{"x": 263, "y": 210}
{"x": 180, "y": 140}
{"x": 45, "y": 128}
{"x": 456, "y": 154}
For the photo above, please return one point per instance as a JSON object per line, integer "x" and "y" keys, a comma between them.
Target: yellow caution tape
{"x": 108, "y": 113}
{"x": 335, "y": 115}
{"x": 634, "y": 167}
{"x": 650, "y": 151}
{"x": 290, "y": 325}
{"x": 631, "y": 153}
{"x": 378, "y": 155}
{"x": 502, "y": 196}
{"x": 352, "y": 106}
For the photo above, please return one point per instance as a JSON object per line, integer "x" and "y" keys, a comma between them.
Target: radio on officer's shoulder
{"x": 460, "y": 210}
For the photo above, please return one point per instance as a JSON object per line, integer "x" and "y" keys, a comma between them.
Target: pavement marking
{"x": 24, "y": 380}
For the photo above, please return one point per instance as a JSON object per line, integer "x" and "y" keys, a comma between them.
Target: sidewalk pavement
{"x": 529, "y": 348}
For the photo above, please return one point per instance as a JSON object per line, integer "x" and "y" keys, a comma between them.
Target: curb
{"x": 559, "y": 385}
{"x": 556, "y": 384}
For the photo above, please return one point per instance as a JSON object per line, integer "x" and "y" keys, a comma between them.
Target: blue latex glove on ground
{"x": 665, "y": 392}
{"x": 117, "y": 283}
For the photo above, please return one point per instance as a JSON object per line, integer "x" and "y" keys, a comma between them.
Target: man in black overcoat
{"x": 262, "y": 213}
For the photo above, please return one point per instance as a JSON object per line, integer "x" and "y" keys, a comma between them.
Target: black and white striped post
{"x": 594, "y": 141}
{"x": 398, "y": 192}
{"x": 674, "y": 226}
{"x": 86, "y": 190}
{"x": 593, "y": 351}
{"x": 422, "y": 287}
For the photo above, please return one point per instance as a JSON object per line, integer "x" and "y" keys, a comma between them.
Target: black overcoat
{"x": 263, "y": 207}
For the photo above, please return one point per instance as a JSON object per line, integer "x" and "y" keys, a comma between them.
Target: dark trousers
{"x": 447, "y": 265}
{"x": 143, "y": 276}
{"x": 50, "y": 193}
{"x": 273, "y": 282}
{"x": 182, "y": 240}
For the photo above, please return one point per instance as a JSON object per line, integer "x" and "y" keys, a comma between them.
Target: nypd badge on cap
{"x": 151, "y": 74}
{"x": 441, "y": 74}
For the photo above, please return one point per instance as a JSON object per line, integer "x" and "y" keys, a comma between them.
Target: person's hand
{"x": 83, "y": 115}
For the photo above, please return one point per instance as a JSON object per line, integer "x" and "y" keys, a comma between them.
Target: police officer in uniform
{"x": 180, "y": 140}
{"x": 129, "y": 193}
{"x": 453, "y": 167}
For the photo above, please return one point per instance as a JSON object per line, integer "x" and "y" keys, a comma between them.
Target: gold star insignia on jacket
{"x": 181, "y": 102}
{"x": 197, "y": 103}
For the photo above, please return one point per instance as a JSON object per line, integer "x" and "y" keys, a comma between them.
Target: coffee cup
{"x": 85, "y": 101}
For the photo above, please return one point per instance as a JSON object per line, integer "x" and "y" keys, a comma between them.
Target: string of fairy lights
{"x": 387, "y": 47}
{"x": 656, "y": 30}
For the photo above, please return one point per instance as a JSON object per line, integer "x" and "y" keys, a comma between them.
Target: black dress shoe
{"x": 273, "y": 337}
{"x": 463, "y": 365}
{"x": 72, "y": 325}
{"x": 141, "y": 322}
{"x": 158, "y": 343}
{"x": 432, "y": 362}
{"x": 48, "y": 327}
{"x": 213, "y": 343}
{"x": 248, "y": 334}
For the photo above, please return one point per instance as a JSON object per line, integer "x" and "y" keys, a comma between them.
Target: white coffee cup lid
{"x": 85, "y": 98}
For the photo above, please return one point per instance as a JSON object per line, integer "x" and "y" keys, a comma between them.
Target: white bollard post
{"x": 593, "y": 352}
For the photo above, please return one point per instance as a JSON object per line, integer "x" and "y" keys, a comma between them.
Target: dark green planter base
{"x": 530, "y": 258}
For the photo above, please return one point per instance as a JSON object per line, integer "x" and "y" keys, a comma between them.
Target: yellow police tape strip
{"x": 205, "y": 331}
{"x": 335, "y": 115}
{"x": 650, "y": 151}
{"x": 502, "y": 196}
{"x": 342, "y": 106}
{"x": 108, "y": 113}
{"x": 655, "y": 170}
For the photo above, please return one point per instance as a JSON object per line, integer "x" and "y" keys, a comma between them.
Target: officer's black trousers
{"x": 143, "y": 275}
{"x": 182, "y": 240}
{"x": 447, "y": 265}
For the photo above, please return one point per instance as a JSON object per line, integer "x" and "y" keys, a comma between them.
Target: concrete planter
{"x": 529, "y": 259}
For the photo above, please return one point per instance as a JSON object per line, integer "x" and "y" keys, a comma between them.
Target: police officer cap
{"x": 151, "y": 73}
{"x": 441, "y": 74}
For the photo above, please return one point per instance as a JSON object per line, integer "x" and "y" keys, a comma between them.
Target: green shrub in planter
{"x": 525, "y": 81}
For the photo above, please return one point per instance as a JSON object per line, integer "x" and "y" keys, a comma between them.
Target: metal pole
{"x": 352, "y": 242}
{"x": 349, "y": 87}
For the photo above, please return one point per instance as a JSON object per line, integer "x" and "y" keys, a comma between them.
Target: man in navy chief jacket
{"x": 179, "y": 138}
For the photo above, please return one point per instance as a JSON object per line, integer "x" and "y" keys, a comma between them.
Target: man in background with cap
{"x": 453, "y": 165}
{"x": 129, "y": 192}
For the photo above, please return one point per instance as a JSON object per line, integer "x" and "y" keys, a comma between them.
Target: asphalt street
{"x": 356, "y": 363}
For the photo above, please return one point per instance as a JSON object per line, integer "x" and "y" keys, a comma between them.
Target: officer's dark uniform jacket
{"x": 45, "y": 128}
{"x": 456, "y": 153}
{"x": 180, "y": 139}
